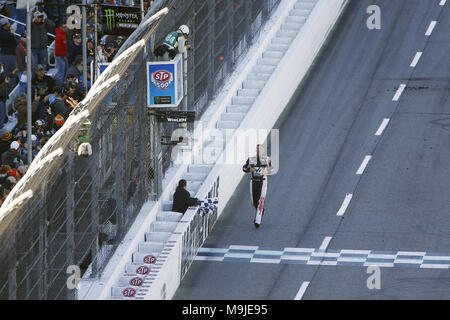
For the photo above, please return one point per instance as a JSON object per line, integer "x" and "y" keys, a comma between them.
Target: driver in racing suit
{"x": 259, "y": 166}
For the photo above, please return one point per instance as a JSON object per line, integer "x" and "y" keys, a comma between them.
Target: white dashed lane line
{"x": 344, "y": 205}
{"x": 442, "y": 3}
{"x": 302, "y": 290}
{"x": 363, "y": 165}
{"x": 416, "y": 59}
{"x": 399, "y": 92}
{"x": 325, "y": 243}
{"x": 382, "y": 127}
{"x": 430, "y": 28}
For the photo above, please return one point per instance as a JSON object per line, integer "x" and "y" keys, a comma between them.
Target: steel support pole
{"x": 211, "y": 35}
{"x": 95, "y": 75}
{"x": 83, "y": 37}
{"x": 29, "y": 94}
{"x": 70, "y": 215}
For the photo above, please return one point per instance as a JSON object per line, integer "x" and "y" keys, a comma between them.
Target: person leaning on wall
{"x": 182, "y": 200}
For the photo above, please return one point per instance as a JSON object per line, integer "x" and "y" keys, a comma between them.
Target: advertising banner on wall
{"x": 120, "y": 20}
{"x": 165, "y": 83}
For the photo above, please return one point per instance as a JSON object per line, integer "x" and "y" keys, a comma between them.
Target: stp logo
{"x": 142, "y": 270}
{"x": 149, "y": 259}
{"x": 162, "y": 79}
{"x": 129, "y": 292}
{"x": 136, "y": 282}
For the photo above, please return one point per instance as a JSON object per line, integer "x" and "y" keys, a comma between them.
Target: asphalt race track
{"x": 345, "y": 197}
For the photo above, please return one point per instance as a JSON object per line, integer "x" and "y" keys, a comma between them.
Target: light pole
{"x": 29, "y": 74}
{"x": 83, "y": 37}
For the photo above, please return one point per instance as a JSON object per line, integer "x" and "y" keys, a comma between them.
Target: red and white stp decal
{"x": 142, "y": 270}
{"x": 149, "y": 259}
{"x": 129, "y": 292}
{"x": 162, "y": 79}
{"x": 136, "y": 282}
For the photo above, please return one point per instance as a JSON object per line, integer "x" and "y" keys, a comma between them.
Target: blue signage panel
{"x": 165, "y": 83}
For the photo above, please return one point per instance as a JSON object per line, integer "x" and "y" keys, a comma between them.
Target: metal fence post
{"x": 265, "y": 10}
{"x": 229, "y": 43}
{"x": 95, "y": 212}
{"x": 70, "y": 211}
{"x": 248, "y": 21}
{"x": 43, "y": 267}
{"x": 158, "y": 157}
{"x": 12, "y": 266}
{"x": 211, "y": 36}
{"x": 119, "y": 167}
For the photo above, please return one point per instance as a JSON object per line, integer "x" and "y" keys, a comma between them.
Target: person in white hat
{"x": 12, "y": 157}
{"x": 173, "y": 44}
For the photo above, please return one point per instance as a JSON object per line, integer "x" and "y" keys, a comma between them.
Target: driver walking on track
{"x": 259, "y": 166}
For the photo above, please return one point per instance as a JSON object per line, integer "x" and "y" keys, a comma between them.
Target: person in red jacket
{"x": 61, "y": 53}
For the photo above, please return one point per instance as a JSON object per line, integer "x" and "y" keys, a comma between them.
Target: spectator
{"x": 59, "y": 121}
{"x": 21, "y": 57}
{"x": 5, "y": 141}
{"x": 75, "y": 48}
{"x": 11, "y": 182}
{"x": 72, "y": 87}
{"x": 21, "y": 106}
{"x": 42, "y": 83}
{"x": 3, "y": 194}
{"x": 57, "y": 104}
{"x": 7, "y": 83}
{"x": 12, "y": 157}
{"x": 61, "y": 52}
{"x": 22, "y": 170}
{"x": 100, "y": 53}
{"x": 182, "y": 199}
{"x": 39, "y": 40}
{"x": 4, "y": 95}
{"x": 108, "y": 53}
{"x": 21, "y": 54}
{"x": 118, "y": 41}
{"x": 90, "y": 31}
{"x": 90, "y": 51}
{"x": 76, "y": 70}
{"x": 4, "y": 172}
{"x": 8, "y": 45}
{"x": 69, "y": 96}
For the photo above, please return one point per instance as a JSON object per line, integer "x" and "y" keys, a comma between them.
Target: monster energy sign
{"x": 118, "y": 20}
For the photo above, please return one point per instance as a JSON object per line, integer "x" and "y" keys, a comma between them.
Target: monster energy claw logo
{"x": 110, "y": 19}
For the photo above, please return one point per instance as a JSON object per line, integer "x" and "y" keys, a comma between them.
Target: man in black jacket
{"x": 182, "y": 199}
{"x": 39, "y": 38}
{"x": 8, "y": 43}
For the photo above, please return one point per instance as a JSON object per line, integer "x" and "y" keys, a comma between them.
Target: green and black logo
{"x": 110, "y": 19}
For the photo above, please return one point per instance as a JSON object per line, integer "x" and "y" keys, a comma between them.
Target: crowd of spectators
{"x": 54, "y": 92}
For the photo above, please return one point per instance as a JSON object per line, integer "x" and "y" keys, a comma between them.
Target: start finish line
{"x": 311, "y": 256}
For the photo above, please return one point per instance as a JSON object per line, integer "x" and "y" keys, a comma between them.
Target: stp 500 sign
{"x": 162, "y": 79}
